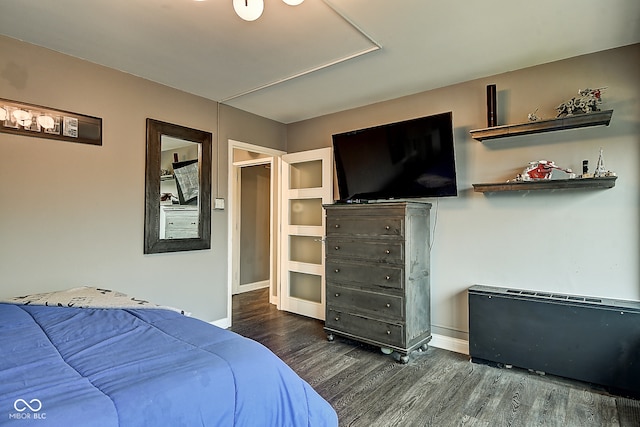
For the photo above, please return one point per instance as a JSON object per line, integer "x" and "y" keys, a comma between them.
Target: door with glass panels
{"x": 307, "y": 184}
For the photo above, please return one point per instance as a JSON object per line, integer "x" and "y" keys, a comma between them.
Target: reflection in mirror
{"x": 178, "y": 188}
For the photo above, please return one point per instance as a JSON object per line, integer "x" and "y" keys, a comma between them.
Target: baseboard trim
{"x": 438, "y": 341}
{"x": 224, "y": 323}
{"x": 248, "y": 287}
{"x": 451, "y": 344}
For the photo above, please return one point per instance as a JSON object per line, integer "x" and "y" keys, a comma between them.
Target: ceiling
{"x": 323, "y": 56}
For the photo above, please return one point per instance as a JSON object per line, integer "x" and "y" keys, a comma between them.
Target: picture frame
{"x": 20, "y": 118}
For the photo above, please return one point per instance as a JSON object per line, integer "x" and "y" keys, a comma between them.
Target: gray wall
{"x": 73, "y": 214}
{"x": 579, "y": 242}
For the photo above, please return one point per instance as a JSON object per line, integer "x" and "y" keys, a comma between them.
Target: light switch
{"x": 218, "y": 203}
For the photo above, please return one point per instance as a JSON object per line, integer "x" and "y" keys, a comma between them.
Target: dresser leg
{"x": 424, "y": 347}
{"x": 400, "y": 358}
{"x": 330, "y": 337}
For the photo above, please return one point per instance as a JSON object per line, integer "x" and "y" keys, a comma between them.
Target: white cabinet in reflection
{"x": 178, "y": 222}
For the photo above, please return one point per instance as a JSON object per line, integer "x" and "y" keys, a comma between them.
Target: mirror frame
{"x": 152, "y": 242}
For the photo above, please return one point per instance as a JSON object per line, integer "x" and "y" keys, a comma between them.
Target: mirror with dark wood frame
{"x": 177, "y": 188}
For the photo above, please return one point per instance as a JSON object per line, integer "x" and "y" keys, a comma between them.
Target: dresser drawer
{"x": 182, "y": 221}
{"x": 370, "y": 329}
{"x": 181, "y": 225}
{"x": 381, "y": 251}
{"x": 181, "y": 233}
{"x": 375, "y": 303}
{"x": 365, "y": 226}
{"x": 365, "y": 274}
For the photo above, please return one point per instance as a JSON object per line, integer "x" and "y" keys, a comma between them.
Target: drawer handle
{"x": 337, "y": 248}
{"x": 387, "y": 228}
{"x": 337, "y": 294}
{"x": 387, "y": 277}
{"x": 337, "y": 270}
{"x": 337, "y": 225}
{"x": 337, "y": 319}
{"x": 388, "y": 305}
{"x": 388, "y": 332}
{"x": 387, "y": 252}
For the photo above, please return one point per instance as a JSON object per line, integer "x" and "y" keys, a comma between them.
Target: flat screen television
{"x": 408, "y": 159}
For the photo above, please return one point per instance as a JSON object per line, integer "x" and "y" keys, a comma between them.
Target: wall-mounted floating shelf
{"x": 597, "y": 118}
{"x": 548, "y": 184}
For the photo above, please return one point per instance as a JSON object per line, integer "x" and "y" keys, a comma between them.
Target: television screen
{"x": 409, "y": 159}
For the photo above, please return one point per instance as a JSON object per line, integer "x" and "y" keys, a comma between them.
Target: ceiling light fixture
{"x": 250, "y": 10}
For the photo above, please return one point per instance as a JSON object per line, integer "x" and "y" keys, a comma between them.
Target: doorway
{"x": 255, "y": 234}
{"x": 253, "y": 219}
{"x": 287, "y": 256}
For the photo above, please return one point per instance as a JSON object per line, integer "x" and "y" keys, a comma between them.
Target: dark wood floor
{"x": 436, "y": 387}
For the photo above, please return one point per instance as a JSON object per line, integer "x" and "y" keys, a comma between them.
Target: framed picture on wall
{"x": 187, "y": 179}
{"x": 19, "y": 118}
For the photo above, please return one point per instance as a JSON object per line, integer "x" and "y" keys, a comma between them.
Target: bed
{"x": 70, "y": 360}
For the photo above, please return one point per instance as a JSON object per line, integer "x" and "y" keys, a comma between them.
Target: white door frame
{"x": 233, "y": 249}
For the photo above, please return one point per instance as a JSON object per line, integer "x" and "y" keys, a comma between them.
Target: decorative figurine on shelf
{"x": 600, "y": 171}
{"x": 542, "y": 169}
{"x": 532, "y": 116}
{"x": 168, "y": 198}
{"x": 587, "y": 102}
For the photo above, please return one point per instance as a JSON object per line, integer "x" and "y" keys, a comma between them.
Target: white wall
{"x": 73, "y": 214}
{"x": 578, "y": 242}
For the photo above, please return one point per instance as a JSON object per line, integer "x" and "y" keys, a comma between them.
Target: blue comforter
{"x": 119, "y": 367}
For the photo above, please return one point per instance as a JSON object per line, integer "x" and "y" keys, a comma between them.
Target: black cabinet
{"x": 590, "y": 339}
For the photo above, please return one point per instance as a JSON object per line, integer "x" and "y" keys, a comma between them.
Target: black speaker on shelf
{"x": 492, "y": 108}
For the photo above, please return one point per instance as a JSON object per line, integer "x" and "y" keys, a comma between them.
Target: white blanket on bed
{"x": 86, "y": 297}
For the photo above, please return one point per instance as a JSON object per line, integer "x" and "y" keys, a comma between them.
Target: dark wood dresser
{"x": 377, "y": 272}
